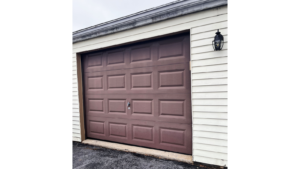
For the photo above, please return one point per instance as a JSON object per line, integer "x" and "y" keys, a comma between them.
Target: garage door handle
{"x": 128, "y": 104}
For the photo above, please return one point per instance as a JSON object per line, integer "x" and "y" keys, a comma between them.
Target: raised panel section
{"x": 144, "y": 133}
{"x": 96, "y": 105}
{"x": 141, "y": 80}
{"x": 95, "y": 60}
{"x": 171, "y": 107}
{"x": 97, "y": 127}
{"x": 171, "y": 79}
{"x": 115, "y": 58}
{"x": 117, "y": 81}
{"x": 171, "y": 49}
{"x": 142, "y": 106}
{"x": 140, "y": 54}
{"x": 171, "y": 136}
{"x": 95, "y": 82}
{"x": 118, "y": 130}
{"x": 116, "y": 106}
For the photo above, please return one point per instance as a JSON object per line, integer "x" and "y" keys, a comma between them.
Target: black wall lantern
{"x": 218, "y": 41}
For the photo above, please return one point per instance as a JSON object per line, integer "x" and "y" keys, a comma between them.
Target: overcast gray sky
{"x": 91, "y": 12}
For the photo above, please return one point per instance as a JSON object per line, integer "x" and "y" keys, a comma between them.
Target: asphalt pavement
{"x": 94, "y": 157}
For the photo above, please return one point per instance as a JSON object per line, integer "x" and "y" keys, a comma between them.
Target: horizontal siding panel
{"x": 76, "y": 127}
{"x": 75, "y": 103}
{"x": 75, "y": 122}
{"x": 218, "y": 102}
{"x": 75, "y": 106}
{"x": 75, "y": 71}
{"x": 210, "y": 160}
{"x": 209, "y": 82}
{"x": 208, "y": 48}
{"x": 216, "y": 122}
{"x": 210, "y": 34}
{"x": 210, "y": 108}
{"x": 222, "y": 136}
{"x": 75, "y": 85}
{"x": 75, "y": 81}
{"x": 210, "y": 27}
{"x": 75, "y": 110}
{"x": 75, "y": 114}
{"x": 75, "y": 100}
{"x": 75, "y": 118}
{"x": 76, "y": 134}
{"x": 217, "y": 149}
{"x": 221, "y": 88}
{"x": 220, "y": 95}
{"x": 211, "y": 61}
{"x": 205, "y": 42}
{"x": 210, "y": 141}
{"x": 76, "y": 131}
{"x": 209, "y": 75}
{"x": 208, "y": 128}
{"x": 208, "y": 55}
{"x": 76, "y": 139}
{"x": 209, "y": 115}
{"x": 150, "y": 33}
{"x": 221, "y": 156}
{"x": 214, "y": 68}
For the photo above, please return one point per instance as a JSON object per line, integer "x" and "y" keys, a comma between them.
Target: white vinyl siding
{"x": 209, "y": 94}
{"x": 75, "y": 105}
{"x": 208, "y": 77}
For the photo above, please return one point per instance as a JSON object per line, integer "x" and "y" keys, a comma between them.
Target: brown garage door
{"x": 140, "y": 94}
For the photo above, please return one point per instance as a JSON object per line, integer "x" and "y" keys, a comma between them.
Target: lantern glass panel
{"x": 217, "y": 45}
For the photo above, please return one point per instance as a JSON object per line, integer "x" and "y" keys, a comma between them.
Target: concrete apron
{"x": 141, "y": 150}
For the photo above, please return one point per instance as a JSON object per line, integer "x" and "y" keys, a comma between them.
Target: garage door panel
{"x": 163, "y": 51}
{"x": 160, "y": 79}
{"x": 164, "y": 107}
{"x": 168, "y": 136}
{"x": 140, "y": 94}
{"x": 141, "y": 53}
{"x": 174, "y": 78}
{"x": 114, "y": 129}
{"x": 175, "y": 137}
{"x": 94, "y": 82}
{"x": 94, "y": 62}
{"x": 95, "y": 106}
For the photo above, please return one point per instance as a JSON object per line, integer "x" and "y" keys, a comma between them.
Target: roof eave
{"x": 160, "y": 13}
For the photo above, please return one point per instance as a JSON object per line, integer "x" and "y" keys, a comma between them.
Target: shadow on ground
{"x": 93, "y": 157}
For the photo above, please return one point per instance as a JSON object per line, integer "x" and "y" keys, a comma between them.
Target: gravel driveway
{"x": 93, "y": 157}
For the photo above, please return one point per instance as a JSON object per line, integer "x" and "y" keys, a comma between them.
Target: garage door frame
{"x": 80, "y": 97}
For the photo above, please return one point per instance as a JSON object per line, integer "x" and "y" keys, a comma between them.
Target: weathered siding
{"x": 75, "y": 106}
{"x": 208, "y": 75}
